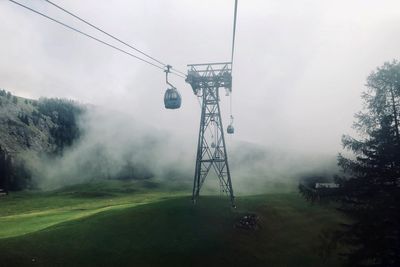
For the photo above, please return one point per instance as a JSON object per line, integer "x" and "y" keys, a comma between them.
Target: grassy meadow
{"x": 141, "y": 223}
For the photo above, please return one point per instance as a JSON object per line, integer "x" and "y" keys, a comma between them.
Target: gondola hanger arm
{"x": 167, "y": 71}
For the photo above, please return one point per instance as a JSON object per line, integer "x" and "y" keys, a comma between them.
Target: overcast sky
{"x": 300, "y": 66}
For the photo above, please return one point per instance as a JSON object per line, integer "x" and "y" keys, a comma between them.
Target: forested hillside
{"x": 33, "y": 126}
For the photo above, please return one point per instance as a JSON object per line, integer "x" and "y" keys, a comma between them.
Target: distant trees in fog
{"x": 5, "y": 169}
{"x": 13, "y": 174}
{"x": 64, "y": 114}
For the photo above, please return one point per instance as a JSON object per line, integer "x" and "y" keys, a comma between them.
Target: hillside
{"x": 35, "y": 125}
{"x": 43, "y": 126}
{"x": 22, "y": 126}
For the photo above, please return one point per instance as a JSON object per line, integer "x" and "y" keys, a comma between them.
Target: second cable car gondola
{"x": 230, "y": 129}
{"x": 172, "y": 98}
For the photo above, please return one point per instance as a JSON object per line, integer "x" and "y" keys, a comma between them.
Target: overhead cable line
{"x": 91, "y": 37}
{"x": 110, "y": 35}
{"x": 233, "y": 52}
{"x": 97, "y": 28}
{"x": 234, "y": 30}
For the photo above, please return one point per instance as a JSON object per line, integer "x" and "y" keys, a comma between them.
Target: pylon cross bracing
{"x": 206, "y": 81}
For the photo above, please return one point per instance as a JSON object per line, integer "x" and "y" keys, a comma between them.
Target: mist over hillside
{"x": 258, "y": 169}
{"x": 115, "y": 145}
{"x": 106, "y": 144}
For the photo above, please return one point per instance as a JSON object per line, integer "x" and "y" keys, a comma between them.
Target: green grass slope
{"x": 126, "y": 224}
{"x": 25, "y": 212}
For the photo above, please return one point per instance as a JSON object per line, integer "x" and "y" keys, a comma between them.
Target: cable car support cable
{"x": 92, "y": 37}
{"x": 230, "y": 128}
{"x": 110, "y": 35}
{"x": 234, "y": 31}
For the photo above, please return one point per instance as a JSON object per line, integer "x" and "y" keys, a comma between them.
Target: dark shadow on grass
{"x": 174, "y": 232}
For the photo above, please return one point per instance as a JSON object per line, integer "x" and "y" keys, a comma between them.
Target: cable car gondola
{"x": 172, "y": 98}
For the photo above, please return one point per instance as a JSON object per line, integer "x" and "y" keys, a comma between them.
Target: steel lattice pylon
{"x": 206, "y": 80}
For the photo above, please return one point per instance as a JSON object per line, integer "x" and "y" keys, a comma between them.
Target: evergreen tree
{"x": 369, "y": 189}
{"x": 5, "y": 169}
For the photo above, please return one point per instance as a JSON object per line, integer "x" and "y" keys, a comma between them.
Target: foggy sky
{"x": 300, "y": 66}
